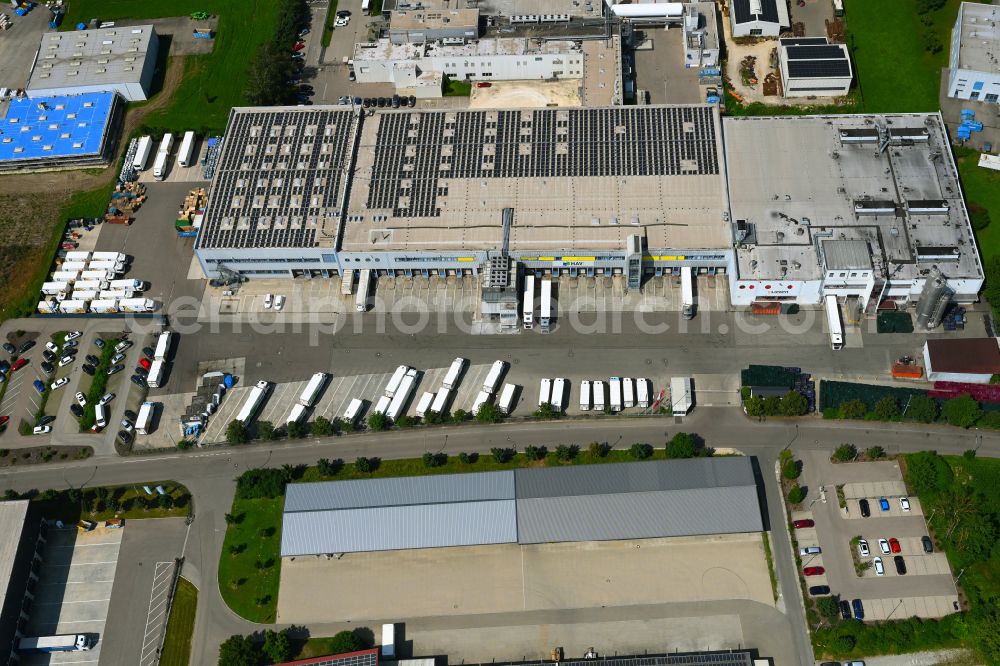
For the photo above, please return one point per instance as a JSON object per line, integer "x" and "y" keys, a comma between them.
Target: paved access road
{"x": 209, "y": 475}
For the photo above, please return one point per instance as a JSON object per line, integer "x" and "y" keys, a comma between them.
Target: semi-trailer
{"x": 364, "y": 285}
{"x": 454, "y": 374}
{"x": 347, "y": 282}
{"x": 545, "y": 310}
{"x": 482, "y": 398}
{"x": 643, "y": 389}
{"x": 628, "y": 393}
{"x": 615, "y": 391}
{"x": 61, "y": 643}
{"x": 117, "y": 257}
{"x": 186, "y": 151}
{"x": 402, "y": 395}
{"x": 77, "y": 255}
{"x": 253, "y": 402}
{"x": 312, "y": 389}
{"x": 681, "y": 395}
{"x": 585, "y": 395}
{"x": 66, "y": 276}
{"x": 395, "y": 381}
{"x": 353, "y": 410}
{"x": 104, "y": 306}
{"x": 687, "y": 293}
{"x": 55, "y": 288}
{"x": 506, "y": 401}
{"x": 528, "y": 305}
{"x": 441, "y": 401}
{"x": 134, "y": 285}
{"x": 382, "y": 405}
{"x": 493, "y": 378}
{"x": 144, "y": 420}
{"x": 142, "y": 151}
{"x": 424, "y": 404}
{"x": 599, "y": 396}
{"x": 137, "y": 305}
{"x": 558, "y": 394}
{"x": 545, "y": 392}
{"x": 155, "y": 375}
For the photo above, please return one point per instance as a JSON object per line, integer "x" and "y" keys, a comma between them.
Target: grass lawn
{"x": 180, "y": 626}
{"x": 981, "y": 186}
{"x": 331, "y": 16}
{"x": 249, "y": 578}
{"x": 895, "y": 73}
{"x": 454, "y": 88}
{"x": 213, "y": 83}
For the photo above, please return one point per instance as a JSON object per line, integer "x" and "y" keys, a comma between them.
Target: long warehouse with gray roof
{"x": 525, "y": 506}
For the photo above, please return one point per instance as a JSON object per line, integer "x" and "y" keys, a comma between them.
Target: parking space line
{"x": 156, "y": 613}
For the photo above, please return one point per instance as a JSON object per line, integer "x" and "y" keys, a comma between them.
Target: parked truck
{"x": 117, "y": 257}
{"x": 454, "y": 374}
{"x": 482, "y": 398}
{"x": 101, "y": 276}
{"x": 83, "y": 294}
{"x": 134, "y": 285}
{"x": 545, "y": 310}
{"x": 160, "y": 166}
{"x": 353, "y": 411}
{"x": 137, "y": 305}
{"x": 55, "y": 288}
{"x": 382, "y": 405}
{"x": 364, "y": 285}
{"x": 251, "y": 407}
{"x": 441, "y": 401}
{"x": 585, "y": 395}
{"x": 155, "y": 375}
{"x": 186, "y": 151}
{"x": 687, "y": 293}
{"x": 628, "y": 393}
{"x": 424, "y": 404}
{"x": 615, "y": 391}
{"x": 598, "y": 396}
{"x": 142, "y": 151}
{"x": 298, "y": 411}
{"x": 48, "y": 307}
{"x": 312, "y": 389}
{"x": 70, "y": 306}
{"x": 111, "y": 266}
{"x": 347, "y": 282}
{"x": 91, "y": 285}
{"x": 77, "y": 255}
{"x": 643, "y": 393}
{"x": 66, "y": 276}
{"x": 61, "y": 643}
{"x": 115, "y": 293}
{"x": 144, "y": 420}
{"x": 506, "y": 401}
{"x": 402, "y": 395}
{"x": 528, "y": 305}
{"x": 493, "y": 378}
{"x": 545, "y": 392}
{"x": 681, "y": 395}
{"x": 104, "y": 306}
{"x": 395, "y": 381}
{"x": 558, "y": 394}
{"x": 73, "y": 266}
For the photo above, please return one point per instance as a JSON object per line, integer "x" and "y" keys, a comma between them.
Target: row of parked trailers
{"x": 185, "y": 155}
{"x": 622, "y": 393}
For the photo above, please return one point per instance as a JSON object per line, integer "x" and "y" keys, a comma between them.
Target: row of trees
{"x": 792, "y": 403}
{"x": 271, "y": 66}
{"x": 274, "y": 647}
{"x": 962, "y": 411}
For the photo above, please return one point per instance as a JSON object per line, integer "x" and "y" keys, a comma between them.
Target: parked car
{"x": 18, "y": 364}
{"x": 122, "y": 346}
{"x": 106, "y": 398}
{"x": 341, "y": 21}
{"x": 413, "y": 100}
{"x": 279, "y": 302}
{"x": 26, "y": 346}
{"x": 76, "y": 410}
{"x": 141, "y": 371}
{"x": 269, "y": 298}
{"x": 927, "y": 544}
{"x": 298, "y": 47}
{"x": 4, "y": 367}
{"x": 900, "y": 565}
{"x": 138, "y": 381}
{"x": 66, "y": 360}
{"x": 59, "y": 383}
{"x": 39, "y": 386}
{"x": 484, "y": 84}
{"x": 845, "y": 609}
{"x": 819, "y": 590}
{"x": 865, "y": 509}
{"x": 81, "y": 399}
{"x": 73, "y": 335}
{"x": 99, "y": 342}
{"x": 894, "y": 545}
{"x": 9, "y": 348}
{"x": 904, "y": 503}
{"x": 46, "y": 419}
{"x": 883, "y": 545}
{"x": 89, "y": 369}
{"x": 810, "y": 550}
{"x": 148, "y": 352}
{"x": 883, "y": 504}
{"x": 863, "y": 548}
{"x": 343, "y": 13}
{"x": 814, "y": 571}
{"x": 859, "y": 609}
{"x": 47, "y": 367}
{"x": 117, "y": 358}
{"x": 49, "y": 356}
{"x": 51, "y": 346}
{"x": 41, "y": 430}
{"x": 804, "y": 523}
{"x": 70, "y": 344}
{"x": 127, "y": 425}
{"x": 879, "y": 569}
{"x": 395, "y": 101}
{"x": 125, "y": 436}
{"x": 115, "y": 368}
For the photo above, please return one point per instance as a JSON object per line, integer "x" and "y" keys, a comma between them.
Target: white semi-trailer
{"x": 144, "y": 420}
{"x": 615, "y": 397}
{"x": 312, "y": 389}
{"x": 628, "y": 393}
{"x": 585, "y": 395}
{"x": 441, "y": 401}
{"x": 364, "y": 285}
{"x": 493, "y": 378}
{"x": 643, "y": 389}
{"x": 599, "y": 396}
{"x": 454, "y": 374}
{"x": 162, "y": 346}
{"x": 354, "y": 410}
{"x": 687, "y": 293}
{"x": 506, "y": 401}
{"x": 251, "y": 407}
{"x": 681, "y": 395}
{"x": 143, "y": 149}
{"x": 424, "y": 404}
{"x": 558, "y": 394}
{"x": 402, "y": 395}
{"x": 545, "y": 392}
{"x": 395, "y": 381}
{"x": 155, "y": 375}
{"x": 545, "y": 310}
{"x": 528, "y": 306}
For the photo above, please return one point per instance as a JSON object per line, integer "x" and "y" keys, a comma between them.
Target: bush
{"x": 599, "y": 449}
{"x": 928, "y": 473}
{"x": 534, "y": 453}
{"x": 344, "y": 642}
{"x": 468, "y": 458}
{"x": 459, "y": 416}
{"x": 844, "y": 643}
{"x": 404, "y": 421}
{"x": 239, "y": 651}
{"x": 875, "y": 453}
{"x": 502, "y": 455}
{"x": 922, "y": 409}
{"x": 886, "y": 409}
{"x": 796, "y": 494}
{"x": 323, "y": 427}
{"x": 185, "y": 444}
{"x": 265, "y": 430}
{"x": 853, "y": 409}
{"x": 262, "y": 483}
{"x": 793, "y": 404}
{"x": 791, "y": 470}
{"x": 277, "y": 645}
{"x": 962, "y": 411}
{"x": 828, "y": 607}
{"x": 435, "y": 459}
{"x": 979, "y": 215}
{"x": 377, "y": 422}
{"x": 969, "y": 454}
{"x": 682, "y": 445}
{"x": 367, "y": 465}
{"x": 566, "y": 453}
{"x": 328, "y": 467}
{"x": 489, "y": 413}
{"x": 546, "y": 411}
{"x": 990, "y": 419}
{"x": 640, "y": 451}
{"x": 772, "y": 405}
{"x": 295, "y": 430}
{"x": 433, "y": 418}
{"x": 845, "y": 453}
{"x": 754, "y": 406}
{"x": 236, "y": 432}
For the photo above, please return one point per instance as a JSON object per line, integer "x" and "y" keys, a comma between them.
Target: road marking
{"x": 156, "y": 614}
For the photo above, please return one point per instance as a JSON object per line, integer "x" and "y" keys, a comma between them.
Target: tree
{"x": 772, "y": 405}
{"x": 533, "y": 453}
{"x": 269, "y": 68}
{"x": 928, "y": 473}
{"x": 459, "y": 416}
{"x": 468, "y": 458}
{"x": 265, "y": 430}
{"x": 969, "y": 454}
{"x": 796, "y": 494}
{"x": 828, "y": 607}
{"x": 682, "y": 445}
{"x": 790, "y": 469}
{"x": 262, "y": 483}
{"x": 886, "y": 409}
{"x": 546, "y": 411}
{"x": 794, "y": 404}
{"x": 295, "y": 430}
{"x": 875, "y": 453}
{"x": 363, "y": 464}
{"x": 343, "y": 642}
{"x": 433, "y": 418}
{"x": 322, "y": 427}
{"x": 489, "y": 413}
{"x": 640, "y": 451}
{"x": 165, "y": 501}
{"x": 845, "y": 453}
{"x": 236, "y": 432}
{"x": 277, "y": 645}
{"x": 502, "y": 455}
{"x": 599, "y": 449}
{"x": 921, "y": 408}
{"x": 239, "y": 651}
{"x": 844, "y": 644}
{"x": 566, "y": 453}
{"x": 329, "y": 467}
{"x": 853, "y": 409}
{"x": 962, "y": 411}
{"x": 434, "y": 459}
{"x": 404, "y": 421}
{"x": 377, "y": 422}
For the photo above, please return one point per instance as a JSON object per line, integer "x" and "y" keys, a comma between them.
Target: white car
{"x": 122, "y": 346}
{"x": 279, "y": 302}
{"x": 108, "y": 397}
{"x": 73, "y": 335}
{"x": 268, "y": 299}
{"x": 41, "y": 430}
{"x": 66, "y": 360}
{"x": 863, "y": 548}
{"x": 341, "y": 21}
{"x": 117, "y": 358}
{"x": 70, "y": 344}
{"x": 59, "y": 383}
{"x": 52, "y": 347}
{"x": 879, "y": 569}
{"x": 127, "y": 425}
{"x": 810, "y": 550}
{"x": 904, "y": 503}
{"x": 81, "y": 399}
{"x": 883, "y": 545}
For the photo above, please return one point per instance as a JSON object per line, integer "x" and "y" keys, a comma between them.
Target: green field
{"x": 213, "y": 83}
{"x": 894, "y": 71}
{"x": 981, "y": 186}
{"x": 180, "y": 626}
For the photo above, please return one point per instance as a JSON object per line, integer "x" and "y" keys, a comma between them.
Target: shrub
{"x": 489, "y": 413}
{"x": 566, "y": 453}
{"x": 875, "y": 453}
{"x": 468, "y": 458}
{"x": 772, "y": 405}
{"x": 185, "y": 444}
{"x": 262, "y": 483}
{"x": 793, "y": 404}
{"x": 990, "y": 419}
{"x": 922, "y": 409}
{"x": 928, "y": 473}
{"x": 969, "y": 454}
{"x": 295, "y": 430}
{"x": 404, "y": 421}
{"x": 236, "y": 432}
{"x": 433, "y": 418}
{"x": 546, "y": 411}
{"x": 755, "y": 406}
{"x": 434, "y": 459}
{"x": 533, "y": 453}
{"x": 845, "y": 453}
{"x": 886, "y": 409}
{"x": 377, "y": 421}
{"x": 599, "y": 449}
{"x": 239, "y": 651}
{"x": 459, "y": 416}
{"x": 640, "y": 451}
{"x": 962, "y": 411}
{"x": 853, "y": 409}
{"x": 328, "y": 467}
{"x": 829, "y": 607}
{"x": 344, "y": 642}
{"x": 323, "y": 427}
{"x": 265, "y": 430}
{"x": 682, "y": 445}
{"x": 979, "y": 215}
{"x": 366, "y": 465}
{"x": 796, "y": 494}
{"x": 790, "y": 470}
{"x": 277, "y": 646}
{"x": 844, "y": 643}
{"x": 502, "y": 455}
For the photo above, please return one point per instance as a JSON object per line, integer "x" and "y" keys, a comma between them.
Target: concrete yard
{"x": 526, "y": 95}
{"x": 74, "y": 590}
{"x": 450, "y": 581}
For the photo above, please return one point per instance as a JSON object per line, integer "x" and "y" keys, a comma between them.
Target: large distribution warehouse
{"x": 525, "y": 506}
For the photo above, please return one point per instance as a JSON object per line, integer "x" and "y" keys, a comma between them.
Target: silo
{"x": 933, "y": 302}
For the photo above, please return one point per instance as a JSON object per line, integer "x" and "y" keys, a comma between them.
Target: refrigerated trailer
{"x": 66, "y": 276}
{"x": 77, "y": 255}
{"x": 482, "y": 398}
{"x": 184, "y": 155}
{"x": 102, "y": 276}
{"x": 403, "y": 395}
{"x": 92, "y": 285}
{"x": 160, "y": 166}
{"x": 615, "y": 397}
{"x": 643, "y": 389}
{"x": 144, "y": 421}
{"x": 833, "y": 322}
{"x": 545, "y": 310}
{"x": 441, "y": 401}
{"x": 254, "y": 402}
{"x": 598, "y": 396}
{"x": 104, "y": 306}
{"x": 395, "y": 381}
{"x": 155, "y": 375}
{"x": 83, "y": 294}
{"x": 364, "y": 285}
{"x": 424, "y": 404}
{"x": 73, "y": 307}
{"x": 134, "y": 285}
{"x": 628, "y": 394}
{"x": 137, "y": 305}
{"x": 108, "y": 265}
{"x": 298, "y": 411}
{"x": 506, "y": 401}
{"x": 73, "y": 266}
{"x": 681, "y": 395}
{"x": 528, "y": 305}
{"x": 312, "y": 389}
{"x": 493, "y": 378}
{"x": 347, "y": 282}
{"x": 61, "y": 643}
{"x": 382, "y": 405}
{"x": 454, "y": 374}
{"x": 143, "y": 149}
{"x": 118, "y": 257}
{"x": 585, "y": 395}
{"x": 558, "y": 394}
{"x": 545, "y": 392}
{"x": 687, "y": 293}
{"x": 55, "y": 288}
{"x": 354, "y": 410}
{"x": 162, "y": 346}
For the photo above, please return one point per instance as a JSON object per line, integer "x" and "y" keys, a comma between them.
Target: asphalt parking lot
{"x": 523, "y": 578}
{"x": 74, "y": 590}
{"x": 19, "y": 44}
{"x": 926, "y": 590}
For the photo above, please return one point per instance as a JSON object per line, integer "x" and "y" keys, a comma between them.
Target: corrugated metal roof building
{"x": 543, "y": 505}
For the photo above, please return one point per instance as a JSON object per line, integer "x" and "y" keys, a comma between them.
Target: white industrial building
{"x": 118, "y": 59}
{"x": 758, "y": 18}
{"x": 419, "y": 69}
{"x": 701, "y": 35}
{"x": 813, "y": 67}
{"x": 974, "y": 63}
{"x": 447, "y": 25}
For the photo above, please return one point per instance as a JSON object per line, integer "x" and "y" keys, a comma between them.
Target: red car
{"x": 18, "y": 364}
{"x": 144, "y": 362}
{"x": 814, "y": 571}
{"x": 800, "y": 524}
{"x": 298, "y": 47}
{"x": 3, "y": 421}
{"x": 484, "y": 84}
{"x": 894, "y": 545}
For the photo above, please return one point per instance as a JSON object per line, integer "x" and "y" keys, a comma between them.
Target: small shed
{"x": 969, "y": 360}
{"x": 759, "y": 18}
{"x": 812, "y": 67}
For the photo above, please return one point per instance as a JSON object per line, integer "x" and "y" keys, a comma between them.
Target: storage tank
{"x": 933, "y": 300}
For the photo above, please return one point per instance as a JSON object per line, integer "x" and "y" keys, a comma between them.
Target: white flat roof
{"x": 91, "y": 57}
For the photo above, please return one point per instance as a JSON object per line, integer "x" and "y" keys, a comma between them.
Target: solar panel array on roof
{"x": 278, "y": 178}
{"x": 769, "y": 10}
{"x": 817, "y": 69}
{"x": 413, "y": 150}
{"x": 51, "y": 128}
{"x": 825, "y": 52}
{"x": 741, "y": 11}
{"x": 803, "y": 41}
